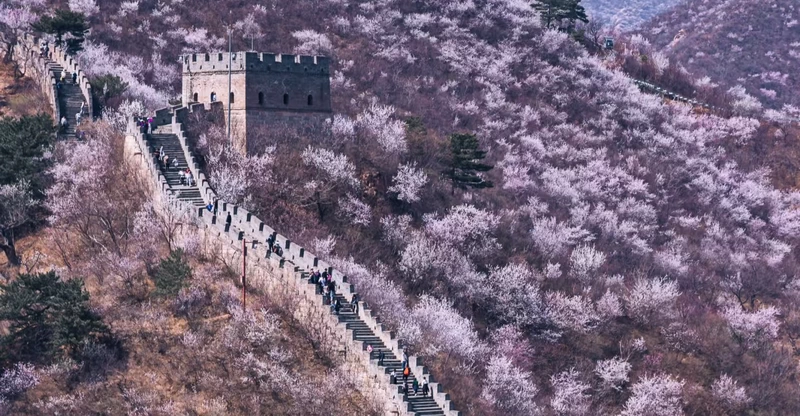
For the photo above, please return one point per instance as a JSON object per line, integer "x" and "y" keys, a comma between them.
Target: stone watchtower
{"x": 268, "y": 92}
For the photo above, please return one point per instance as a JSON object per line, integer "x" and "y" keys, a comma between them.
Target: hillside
{"x": 627, "y": 14}
{"x": 753, "y": 44}
{"x": 631, "y": 257}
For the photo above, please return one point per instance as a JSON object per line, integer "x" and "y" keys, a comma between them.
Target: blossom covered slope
{"x": 627, "y": 261}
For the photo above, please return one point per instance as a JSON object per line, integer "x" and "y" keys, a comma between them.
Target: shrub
{"x": 47, "y": 317}
{"x": 171, "y": 275}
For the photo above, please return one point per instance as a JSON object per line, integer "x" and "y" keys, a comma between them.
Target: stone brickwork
{"x": 43, "y": 68}
{"x": 268, "y": 92}
{"x": 286, "y": 273}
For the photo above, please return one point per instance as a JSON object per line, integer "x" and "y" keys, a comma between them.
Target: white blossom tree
{"x": 755, "y": 328}
{"x": 613, "y": 372}
{"x": 509, "y": 389}
{"x": 655, "y": 395}
{"x": 408, "y": 182}
{"x": 728, "y": 392}
{"x": 570, "y": 394}
{"x": 650, "y": 299}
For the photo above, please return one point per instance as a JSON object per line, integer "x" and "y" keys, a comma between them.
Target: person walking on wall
{"x": 405, "y": 360}
{"x": 166, "y": 163}
{"x": 415, "y": 386}
{"x": 63, "y": 123}
{"x": 75, "y": 79}
{"x": 175, "y": 163}
{"x": 425, "y": 387}
{"x": 406, "y": 373}
{"x": 161, "y": 152}
{"x": 393, "y": 377}
{"x": 181, "y": 177}
{"x": 381, "y": 356}
{"x": 354, "y": 302}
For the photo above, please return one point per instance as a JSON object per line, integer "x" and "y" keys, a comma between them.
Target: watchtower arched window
{"x": 213, "y": 97}
{"x": 260, "y": 98}
{"x": 208, "y": 57}
{"x": 194, "y": 97}
{"x": 219, "y": 56}
{"x": 310, "y": 99}
{"x": 285, "y": 99}
{"x": 231, "y": 98}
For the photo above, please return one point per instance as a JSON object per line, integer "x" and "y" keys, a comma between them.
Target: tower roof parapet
{"x": 255, "y": 61}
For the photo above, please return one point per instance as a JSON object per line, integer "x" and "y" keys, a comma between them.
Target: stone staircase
{"x": 70, "y": 99}
{"x": 163, "y": 136}
{"x": 362, "y": 326}
{"x": 418, "y": 404}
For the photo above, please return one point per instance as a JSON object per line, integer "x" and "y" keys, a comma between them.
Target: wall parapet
{"x": 58, "y": 55}
{"x": 255, "y": 61}
{"x": 295, "y": 257}
{"x": 26, "y": 55}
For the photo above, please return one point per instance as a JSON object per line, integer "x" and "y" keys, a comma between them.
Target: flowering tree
{"x": 651, "y": 298}
{"x": 249, "y": 28}
{"x": 574, "y": 313}
{"x": 378, "y": 125}
{"x": 727, "y": 391}
{"x": 16, "y": 210}
{"x": 753, "y": 329}
{"x": 85, "y": 7}
{"x": 312, "y": 43}
{"x": 445, "y": 330}
{"x": 14, "y": 16}
{"x": 569, "y": 394}
{"x": 656, "y": 395}
{"x": 584, "y": 261}
{"x": 509, "y": 389}
{"x": 408, "y": 182}
{"x": 16, "y": 380}
{"x": 613, "y": 372}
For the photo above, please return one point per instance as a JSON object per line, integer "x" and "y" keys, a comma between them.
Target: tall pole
{"x": 230, "y": 68}
{"x": 244, "y": 274}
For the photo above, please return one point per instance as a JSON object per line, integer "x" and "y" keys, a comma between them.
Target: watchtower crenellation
{"x": 268, "y": 91}
{"x": 253, "y": 61}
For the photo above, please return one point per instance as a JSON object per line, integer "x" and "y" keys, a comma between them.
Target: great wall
{"x": 353, "y": 329}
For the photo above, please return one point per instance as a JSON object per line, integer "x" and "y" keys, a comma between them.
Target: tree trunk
{"x": 11, "y": 253}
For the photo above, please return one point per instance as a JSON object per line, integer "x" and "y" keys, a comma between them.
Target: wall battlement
{"x": 255, "y": 62}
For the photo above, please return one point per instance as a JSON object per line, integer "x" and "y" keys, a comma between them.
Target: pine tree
{"x": 62, "y": 23}
{"x": 555, "y": 11}
{"x": 23, "y": 176}
{"x": 47, "y": 317}
{"x": 171, "y": 275}
{"x": 466, "y": 162}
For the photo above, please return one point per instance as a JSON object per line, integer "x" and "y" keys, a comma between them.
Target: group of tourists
{"x": 44, "y": 49}
{"x": 405, "y": 373}
{"x": 145, "y": 124}
{"x": 184, "y": 175}
{"x": 273, "y": 247}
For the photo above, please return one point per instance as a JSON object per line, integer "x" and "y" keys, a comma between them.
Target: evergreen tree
{"x": 23, "y": 167}
{"x": 556, "y": 11}
{"x": 171, "y": 275}
{"x": 47, "y": 318}
{"x": 65, "y": 22}
{"x": 465, "y": 162}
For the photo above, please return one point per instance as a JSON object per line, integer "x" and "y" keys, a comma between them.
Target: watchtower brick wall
{"x": 268, "y": 92}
